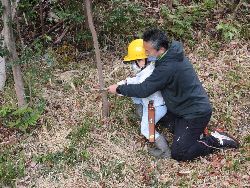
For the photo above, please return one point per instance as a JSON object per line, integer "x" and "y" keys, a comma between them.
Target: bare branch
{"x": 59, "y": 39}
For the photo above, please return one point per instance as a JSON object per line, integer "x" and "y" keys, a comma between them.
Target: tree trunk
{"x": 170, "y": 4}
{"x": 41, "y": 16}
{"x": 2, "y": 68}
{"x": 2, "y": 73}
{"x": 11, "y": 47}
{"x": 88, "y": 10}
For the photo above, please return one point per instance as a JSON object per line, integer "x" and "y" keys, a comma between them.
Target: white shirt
{"x": 139, "y": 78}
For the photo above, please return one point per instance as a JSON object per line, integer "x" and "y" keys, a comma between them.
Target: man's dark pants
{"x": 187, "y": 144}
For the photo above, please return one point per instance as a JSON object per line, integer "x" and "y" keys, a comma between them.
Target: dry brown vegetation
{"x": 71, "y": 145}
{"x": 112, "y": 153}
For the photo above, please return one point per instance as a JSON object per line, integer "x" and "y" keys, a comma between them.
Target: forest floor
{"x": 74, "y": 147}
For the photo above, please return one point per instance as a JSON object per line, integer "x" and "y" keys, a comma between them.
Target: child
{"x": 137, "y": 58}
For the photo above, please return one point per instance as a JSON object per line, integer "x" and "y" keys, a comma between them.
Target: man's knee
{"x": 182, "y": 155}
{"x": 176, "y": 153}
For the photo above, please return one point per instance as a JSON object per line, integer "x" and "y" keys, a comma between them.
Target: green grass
{"x": 70, "y": 156}
{"x": 12, "y": 166}
{"x": 76, "y": 152}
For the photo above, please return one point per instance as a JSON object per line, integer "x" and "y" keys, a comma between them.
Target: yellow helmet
{"x": 135, "y": 51}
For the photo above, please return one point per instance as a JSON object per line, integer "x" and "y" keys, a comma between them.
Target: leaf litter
{"x": 117, "y": 153}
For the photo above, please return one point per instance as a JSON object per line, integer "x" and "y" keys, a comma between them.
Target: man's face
{"x": 150, "y": 51}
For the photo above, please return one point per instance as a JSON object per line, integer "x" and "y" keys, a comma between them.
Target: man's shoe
{"x": 224, "y": 140}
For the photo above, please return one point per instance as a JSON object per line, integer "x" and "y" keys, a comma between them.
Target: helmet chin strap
{"x": 138, "y": 68}
{"x": 146, "y": 64}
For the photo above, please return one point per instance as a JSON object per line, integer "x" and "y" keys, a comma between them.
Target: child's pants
{"x": 160, "y": 111}
{"x": 136, "y": 100}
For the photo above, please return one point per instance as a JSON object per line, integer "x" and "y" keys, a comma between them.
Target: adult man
{"x": 189, "y": 109}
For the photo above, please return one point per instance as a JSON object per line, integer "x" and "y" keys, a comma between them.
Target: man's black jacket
{"x": 175, "y": 77}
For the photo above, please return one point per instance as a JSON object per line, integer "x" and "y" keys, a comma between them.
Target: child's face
{"x": 137, "y": 65}
{"x": 141, "y": 62}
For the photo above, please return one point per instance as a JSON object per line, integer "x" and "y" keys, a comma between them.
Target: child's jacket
{"x": 139, "y": 78}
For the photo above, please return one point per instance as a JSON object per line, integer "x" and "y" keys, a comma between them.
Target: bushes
{"x": 228, "y": 31}
{"x": 120, "y": 20}
{"x": 183, "y": 22}
{"x": 21, "y": 119}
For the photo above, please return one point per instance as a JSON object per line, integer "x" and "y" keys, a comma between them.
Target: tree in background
{"x": 2, "y": 67}
{"x": 98, "y": 56}
{"x": 9, "y": 41}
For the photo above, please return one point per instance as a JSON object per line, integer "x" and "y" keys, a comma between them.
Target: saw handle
{"x": 151, "y": 121}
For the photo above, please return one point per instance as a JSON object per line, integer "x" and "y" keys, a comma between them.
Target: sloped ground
{"x": 112, "y": 153}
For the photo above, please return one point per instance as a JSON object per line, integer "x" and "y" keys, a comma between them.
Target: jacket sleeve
{"x": 121, "y": 82}
{"x": 132, "y": 80}
{"x": 158, "y": 80}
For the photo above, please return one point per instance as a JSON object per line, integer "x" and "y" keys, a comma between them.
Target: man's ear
{"x": 162, "y": 50}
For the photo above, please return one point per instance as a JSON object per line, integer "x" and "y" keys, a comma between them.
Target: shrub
{"x": 10, "y": 169}
{"x": 20, "y": 118}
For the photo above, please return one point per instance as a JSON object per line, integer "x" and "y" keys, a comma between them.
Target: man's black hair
{"x": 157, "y": 37}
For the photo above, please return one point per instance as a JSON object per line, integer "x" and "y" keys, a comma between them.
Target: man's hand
{"x": 112, "y": 89}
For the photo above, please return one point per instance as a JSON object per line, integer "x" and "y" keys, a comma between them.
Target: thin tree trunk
{"x": 2, "y": 68}
{"x": 41, "y": 17}
{"x": 237, "y": 8}
{"x": 11, "y": 46}
{"x": 19, "y": 32}
{"x": 88, "y": 10}
{"x": 170, "y": 4}
{"x": 2, "y": 73}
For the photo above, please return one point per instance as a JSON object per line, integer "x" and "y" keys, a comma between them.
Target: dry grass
{"x": 117, "y": 154}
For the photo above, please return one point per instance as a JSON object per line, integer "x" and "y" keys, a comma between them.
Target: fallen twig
{"x": 49, "y": 31}
{"x": 59, "y": 39}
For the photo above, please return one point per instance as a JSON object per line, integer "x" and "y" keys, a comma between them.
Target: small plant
{"x": 21, "y": 118}
{"x": 247, "y": 139}
{"x": 80, "y": 133}
{"x": 10, "y": 169}
{"x": 209, "y": 4}
{"x": 113, "y": 169}
{"x": 70, "y": 155}
{"x": 229, "y": 31}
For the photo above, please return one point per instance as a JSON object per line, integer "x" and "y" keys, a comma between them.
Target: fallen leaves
{"x": 184, "y": 172}
{"x": 118, "y": 154}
